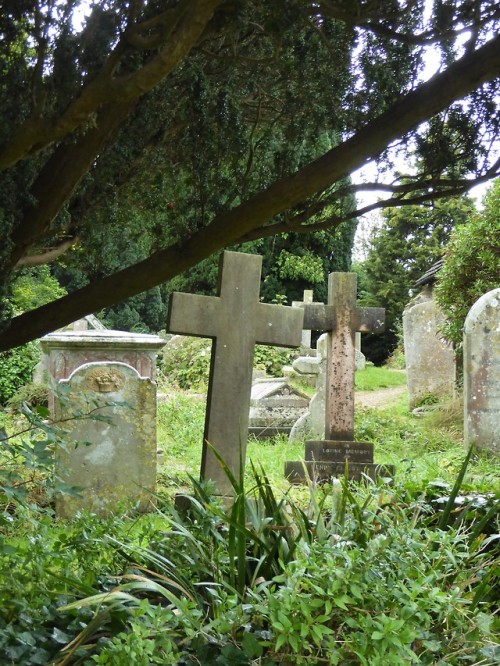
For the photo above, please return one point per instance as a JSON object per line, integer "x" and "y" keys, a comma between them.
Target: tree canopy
{"x": 410, "y": 240}
{"x": 213, "y": 123}
{"x": 471, "y": 267}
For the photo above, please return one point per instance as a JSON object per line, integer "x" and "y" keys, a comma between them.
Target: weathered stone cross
{"x": 236, "y": 321}
{"x": 341, "y": 318}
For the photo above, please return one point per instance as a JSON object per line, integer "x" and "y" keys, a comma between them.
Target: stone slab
{"x": 430, "y": 360}
{"x": 482, "y": 374}
{"x": 323, "y": 472}
{"x": 113, "y": 460}
{"x": 332, "y": 451}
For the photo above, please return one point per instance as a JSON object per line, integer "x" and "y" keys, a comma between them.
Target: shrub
{"x": 471, "y": 265}
{"x": 16, "y": 369}
{"x": 185, "y": 361}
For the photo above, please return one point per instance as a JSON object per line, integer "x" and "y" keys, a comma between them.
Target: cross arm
{"x": 192, "y": 314}
{"x": 318, "y": 317}
{"x": 370, "y": 320}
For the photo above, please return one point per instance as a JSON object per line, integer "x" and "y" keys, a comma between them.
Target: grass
{"x": 422, "y": 449}
{"x": 367, "y": 581}
{"x": 372, "y": 378}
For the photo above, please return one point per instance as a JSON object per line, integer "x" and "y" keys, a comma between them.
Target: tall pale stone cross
{"x": 341, "y": 318}
{"x": 306, "y": 333}
{"x": 236, "y": 321}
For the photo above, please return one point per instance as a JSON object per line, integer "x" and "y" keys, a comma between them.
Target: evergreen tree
{"x": 472, "y": 265}
{"x": 183, "y": 127}
{"x": 408, "y": 243}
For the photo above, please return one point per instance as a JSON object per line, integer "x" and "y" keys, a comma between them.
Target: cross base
{"x": 330, "y": 458}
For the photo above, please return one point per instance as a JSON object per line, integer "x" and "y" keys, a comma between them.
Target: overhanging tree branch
{"x": 460, "y": 79}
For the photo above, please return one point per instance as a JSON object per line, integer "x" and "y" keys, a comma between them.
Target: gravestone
{"x": 430, "y": 360}
{"x": 360, "y": 357}
{"x": 482, "y": 373}
{"x": 312, "y": 423}
{"x": 338, "y": 453}
{"x": 64, "y": 354}
{"x": 111, "y": 461}
{"x": 306, "y": 333}
{"x": 275, "y": 405}
{"x": 236, "y": 321}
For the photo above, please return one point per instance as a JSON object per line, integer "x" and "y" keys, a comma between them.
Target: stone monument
{"x": 338, "y": 453}
{"x": 312, "y": 423}
{"x": 236, "y": 321}
{"x": 275, "y": 405}
{"x": 102, "y": 370}
{"x": 111, "y": 460}
{"x": 430, "y": 360}
{"x": 482, "y": 373}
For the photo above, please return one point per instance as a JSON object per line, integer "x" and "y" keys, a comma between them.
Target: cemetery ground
{"x": 400, "y": 572}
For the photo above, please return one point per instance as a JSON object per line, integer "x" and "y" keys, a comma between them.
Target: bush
{"x": 16, "y": 369}
{"x": 185, "y": 361}
{"x": 471, "y": 265}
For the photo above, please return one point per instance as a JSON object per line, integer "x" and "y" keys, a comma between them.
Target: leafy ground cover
{"x": 396, "y": 573}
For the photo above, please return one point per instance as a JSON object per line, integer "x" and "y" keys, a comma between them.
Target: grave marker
{"x": 482, "y": 373}
{"x": 236, "y": 321}
{"x": 306, "y": 333}
{"x": 111, "y": 461}
{"x": 342, "y": 318}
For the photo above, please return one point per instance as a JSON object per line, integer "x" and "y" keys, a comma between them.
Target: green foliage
{"x": 357, "y": 577}
{"x": 408, "y": 243}
{"x": 272, "y": 359}
{"x": 16, "y": 369}
{"x": 34, "y": 287}
{"x": 471, "y": 265}
{"x": 53, "y": 563}
{"x": 185, "y": 361}
{"x": 341, "y": 573}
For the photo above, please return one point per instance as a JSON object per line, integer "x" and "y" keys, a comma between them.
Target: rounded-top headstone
{"x": 482, "y": 373}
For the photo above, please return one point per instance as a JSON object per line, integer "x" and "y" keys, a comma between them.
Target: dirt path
{"x": 379, "y": 399}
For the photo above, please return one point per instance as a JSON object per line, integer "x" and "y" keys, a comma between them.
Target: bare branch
{"x": 48, "y": 255}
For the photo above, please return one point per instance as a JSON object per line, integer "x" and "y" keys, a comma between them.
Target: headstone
{"x": 341, "y": 317}
{"x": 482, "y": 373}
{"x": 359, "y": 356}
{"x": 65, "y": 353}
{"x": 430, "y": 360}
{"x": 306, "y": 333}
{"x": 312, "y": 423}
{"x": 112, "y": 461}
{"x": 236, "y": 320}
{"x": 275, "y": 405}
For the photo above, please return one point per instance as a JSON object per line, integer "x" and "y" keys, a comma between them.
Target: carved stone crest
{"x": 105, "y": 381}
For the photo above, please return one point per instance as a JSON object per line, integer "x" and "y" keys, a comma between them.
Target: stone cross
{"x": 235, "y": 320}
{"x": 306, "y": 300}
{"x": 341, "y": 317}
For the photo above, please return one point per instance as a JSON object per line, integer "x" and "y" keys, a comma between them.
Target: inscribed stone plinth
{"x": 482, "y": 373}
{"x": 275, "y": 405}
{"x": 112, "y": 461}
{"x": 236, "y": 320}
{"x": 430, "y": 360}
